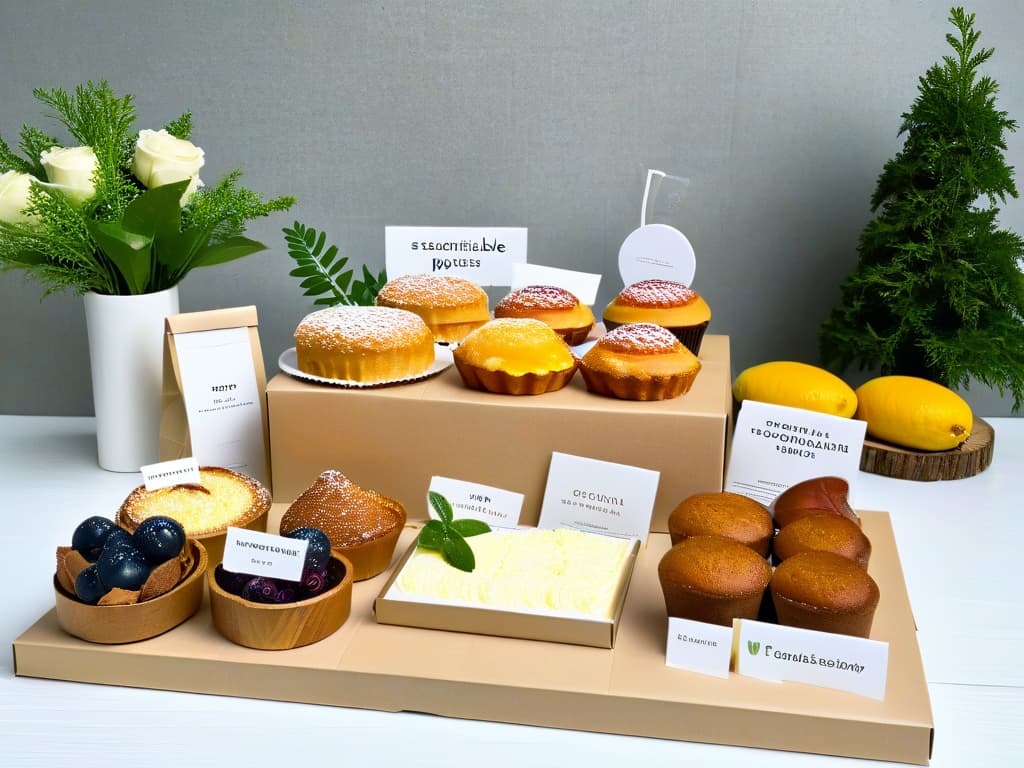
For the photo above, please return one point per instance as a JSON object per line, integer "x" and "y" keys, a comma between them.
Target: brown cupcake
{"x": 713, "y": 579}
{"x": 824, "y": 592}
{"x": 823, "y": 533}
{"x": 667, "y": 303}
{"x": 828, "y": 495}
{"x": 723, "y": 514}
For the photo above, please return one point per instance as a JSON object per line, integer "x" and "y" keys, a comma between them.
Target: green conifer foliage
{"x": 938, "y": 291}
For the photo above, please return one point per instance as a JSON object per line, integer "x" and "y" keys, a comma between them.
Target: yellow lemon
{"x": 914, "y": 412}
{"x": 797, "y": 385}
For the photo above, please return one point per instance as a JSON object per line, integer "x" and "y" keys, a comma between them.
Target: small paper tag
{"x": 657, "y": 251}
{"x": 773, "y": 652}
{"x": 264, "y": 554}
{"x": 582, "y": 285}
{"x": 164, "y": 474}
{"x": 775, "y": 447}
{"x": 698, "y": 647}
{"x": 599, "y": 497}
{"x": 484, "y": 255}
{"x": 494, "y": 506}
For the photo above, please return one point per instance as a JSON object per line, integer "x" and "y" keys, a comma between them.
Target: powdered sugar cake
{"x": 452, "y": 307}
{"x": 639, "y": 361}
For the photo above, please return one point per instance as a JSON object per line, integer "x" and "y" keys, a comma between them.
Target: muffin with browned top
{"x": 826, "y": 592}
{"x": 567, "y": 315}
{"x": 640, "y": 361}
{"x": 723, "y": 514}
{"x": 826, "y": 533}
{"x": 451, "y": 306}
{"x": 666, "y": 303}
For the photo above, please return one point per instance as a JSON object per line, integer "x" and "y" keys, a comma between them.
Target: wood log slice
{"x": 969, "y": 459}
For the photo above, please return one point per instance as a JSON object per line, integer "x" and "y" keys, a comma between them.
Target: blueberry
{"x": 288, "y": 592}
{"x": 90, "y": 536}
{"x": 88, "y": 586}
{"x": 232, "y": 582}
{"x": 318, "y": 554}
{"x": 159, "y": 539}
{"x": 118, "y": 537}
{"x": 122, "y": 566}
{"x": 314, "y": 581}
{"x": 260, "y": 589}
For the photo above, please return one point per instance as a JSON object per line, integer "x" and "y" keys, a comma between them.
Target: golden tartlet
{"x": 640, "y": 361}
{"x": 364, "y": 344}
{"x": 513, "y": 356}
{"x": 450, "y": 306}
{"x": 825, "y": 592}
{"x": 666, "y": 303}
{"x": 556, "y": 307}
{"x": 723, "y": 514}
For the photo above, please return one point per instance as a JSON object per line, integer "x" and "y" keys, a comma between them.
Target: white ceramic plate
{"x": 288, "y": 362}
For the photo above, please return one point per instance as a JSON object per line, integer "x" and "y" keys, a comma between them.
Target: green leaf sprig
{"x": 321, "y": 270}
{"x": 448, "y": 536}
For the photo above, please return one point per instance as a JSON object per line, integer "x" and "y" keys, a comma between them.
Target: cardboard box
{"x": 626, "y": 690}
{"x": 393, "y": 439}
{"x": 599, "y": 633}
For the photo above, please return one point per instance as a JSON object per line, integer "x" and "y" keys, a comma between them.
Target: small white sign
{"x": 264, "y": 554}
{"x": 598, "y": 497}
{"x": 494, "y": 506}
{"x": 582, "y": 285}
{"x": 167, "y": 473}
{"x": 698, "y": 647}
{"x": 484, "y": 255}
{"x": 775, "y": 447}
{"x": 657, "y": 251}
{"x": 773, "y": 652}
{"x": 222, "y": 400}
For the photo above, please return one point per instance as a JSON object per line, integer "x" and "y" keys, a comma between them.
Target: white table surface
{"x": 960, "y": 546}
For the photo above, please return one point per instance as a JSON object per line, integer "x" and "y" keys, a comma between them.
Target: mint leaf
{"x": 457, "y": 552}
{"x": 432, "y": 535}
{"x": 470, "y": 527}
{"x": 441, "y": 506}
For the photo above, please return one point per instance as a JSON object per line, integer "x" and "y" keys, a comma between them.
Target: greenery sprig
{"x": 448, "y": 536}
{"x": 321, "y": 272}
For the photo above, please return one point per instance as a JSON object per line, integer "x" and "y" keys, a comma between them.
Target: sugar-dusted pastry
{"x": 363, "y": 525}
{"x": 450, "y": 306}
{"x": 640, "y": 361}
{"x": 515, "y": 357}
{"x": 723, "y": 514}
{"x": 557, "y": 307}
{"x": 825, "y": 592}
{"x": 662, "y": 302}
{"x": 364, "y": 344}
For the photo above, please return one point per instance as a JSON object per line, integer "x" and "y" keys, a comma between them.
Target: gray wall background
{"x": 535, "y": 114}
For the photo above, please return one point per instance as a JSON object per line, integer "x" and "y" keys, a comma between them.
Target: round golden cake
{"x": 557, "y": 307}
{"x": 511, "y": 356}
{"x": 824, "y": 532}
{"x": 450, "y": 306}
{"x": 825, "y": 592}
{"x": 640, "y": 361}
{"x": 713, "y": 579}
{"x": 723, "y": 514}
{"x": 363, "y": 525}
{"x": 666, "y": 303}
{"x": 364, "y": 344}
{"x": 818, "y": 495}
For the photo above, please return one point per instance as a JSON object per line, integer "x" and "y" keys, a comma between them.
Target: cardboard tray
{"x": 626, "y": 690}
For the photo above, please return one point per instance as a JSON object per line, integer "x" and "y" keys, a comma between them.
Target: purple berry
{"x": 288, "y": 593}
{"x": 260, "y": 589}
{"x": 232, "y": 582}
{"x": 314, "y": 581}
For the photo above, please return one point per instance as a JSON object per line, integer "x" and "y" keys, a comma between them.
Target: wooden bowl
{"x": 270, "y": 627}
{"x": 130, "y": 623}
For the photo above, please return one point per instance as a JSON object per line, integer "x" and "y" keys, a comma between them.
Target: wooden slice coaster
{"x": 971, "y": 458}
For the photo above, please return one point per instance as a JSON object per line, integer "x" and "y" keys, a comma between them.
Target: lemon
{"x": 797, "y": 385}
{"x": 915, "y": 413}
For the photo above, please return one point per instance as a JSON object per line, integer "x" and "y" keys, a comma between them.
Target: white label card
{"x": 494, "y": 506}
{"x": 599, "y": 497}
{"x": 484, "y": 255}
{"x": 264, "y": 554}
{"x": 773, "y": 652}
{"x": 582, "y": 285}
{"x": 775, "y": 447}
{"x": 657, "y": 251}
{"x": 165, "y": 474}
{"x": 698, "y": 647}
{"x": 222, "y": 400}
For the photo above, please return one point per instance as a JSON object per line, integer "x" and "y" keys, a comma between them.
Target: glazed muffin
{"x": 363, "y": 525}
{"x": 825, "y": 592}
{"x": 713, "y": 579}
{"x": 826, "y": 533}
{"x": 451, "y": 307}
{"x": 364, "y": 344}
{"x": 819, "y": 495}
{"x": 662, "y": 302}
{"x": 554, "y": 306}
{"x": 640, "y": 361}
{"x": 723, "y": 514}
{"x": 515, "y": 357}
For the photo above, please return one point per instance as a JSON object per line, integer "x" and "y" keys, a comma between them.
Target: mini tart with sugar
{"x": 363, "y": 525}
{"x": 556, "y": 307}
{"x": 364, "y": 344}
{"x": 639, "y": 361}
{"x": 666, "y": 303}
{"x": 512, "y": 356}
{"x": 451, "y": 307}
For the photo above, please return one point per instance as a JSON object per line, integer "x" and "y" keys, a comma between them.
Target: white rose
{"x": 161, "y": 158}
{"x": 14, "y": 189}
{"x": 71, "y": 170}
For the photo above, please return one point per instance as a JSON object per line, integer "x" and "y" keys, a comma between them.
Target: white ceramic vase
{"x": 126, "y": 354}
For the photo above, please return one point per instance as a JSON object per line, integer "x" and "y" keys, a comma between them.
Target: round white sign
{"x": 657, "y": 251}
